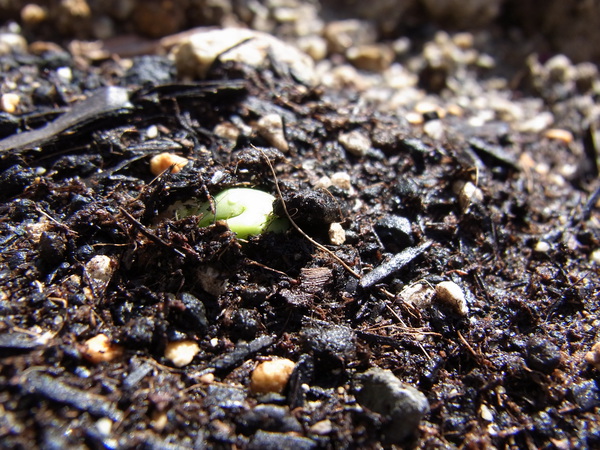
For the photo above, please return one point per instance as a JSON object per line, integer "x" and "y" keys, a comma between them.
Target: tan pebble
{"x": 270, "y": 127}
{"x": 337, "y": 234}
{"x": 323, "y": 183}
{"x": 322, "y": 427}
{"x": 207, "y": 378}
{"x": 434, "y": 129}
{"x": 181, "y": 353}
{"x": 418, "y": 294}
{"x": 450, "y": 293}
{"x": 374, "y": 58}
{"x": 9, "y": 102}
{"x": 271, "y": 376}
{"x": 559, "y": 134}
{"x": 160, "y": 419}
{"x": 100, "y": 349}
{"x": 467, "y": 193}
{"x": 355, "y": 142}
{"x": 593, "y": 356}
{"x": 341, "y": 180}
{"x": 161, "y": 162}
{"x": 33, "y": 14}
{"x": 313, "y": 46}
{"x": 227, "y": 130}
{"x": 414, "y": 118}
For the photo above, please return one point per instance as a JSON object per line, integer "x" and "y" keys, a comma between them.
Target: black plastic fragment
{"x": 53, "y": 389}
{"x": 240, "y": 353}
{"x": 20, "y": 341}
{"x": 494, "y": 153}
{"x": 264, "y": 440}
{"x": 395, "y": 263}
{"x": 101, "y": 103}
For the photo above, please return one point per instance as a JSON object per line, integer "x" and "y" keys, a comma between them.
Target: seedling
{"x": 248, "y": 212}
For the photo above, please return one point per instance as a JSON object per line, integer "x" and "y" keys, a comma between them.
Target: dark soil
{"x": 509, "y": 374}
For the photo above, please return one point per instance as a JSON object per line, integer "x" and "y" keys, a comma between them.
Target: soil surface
{"x": 465, "y": 197}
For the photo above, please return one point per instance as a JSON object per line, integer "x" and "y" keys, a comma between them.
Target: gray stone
{"x": 403, "y": 405}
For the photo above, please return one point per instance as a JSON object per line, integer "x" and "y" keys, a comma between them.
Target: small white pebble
{"x": 104, "y": 426}
{"x": 181, "y": 353}
{"x": 355, "y": 142}
{"x": 434, "y": 129}
{"x": 271, "y": 376}
{"x": 100, "y": 268}
{"x": 595, "y": 257}
{"x": 541, "y": 247}
{"x": 337, "y": 234}
{"x": 152, "y": 132}
{"x": 486, "y": 413}
{"x": 341, "y": 180}
{"x": 65, "y": 74}
{"x": 323, "y": 183}
{"x": 161, "y": 162}
{"x": 450, "y": 293}
{"x": 467, "y": 193}
{"x": 9, "y": 102}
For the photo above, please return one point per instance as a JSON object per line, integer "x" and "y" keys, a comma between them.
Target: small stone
{"x": 270, "y": 127}
{"x": 33, "y": 14}
{"x": 595, "y": 257}
{"x": 355, "y": 142}
{"x": 434, "y": 129}
{"x": 321, "y": 427}
{"x": 395, "y": 232}
{"x": 9, "y": 102}
{"x": 196, "y": 55}
{"x": 313, "y": 46}
{"x": 341, "y": 180}
{"x": 541, "y": 247}
{"x": 100, "y": 349}
{"x": 542, "y": 354}
{"x": 467, "y": 193}
{"x": 100, "y": 268}
{"x": 271, "y": 376}
{"x": 181, "y": 353}
{"x": 343, "y": 34}
{"x": 417, "y": 294}
{"x": 163, "y": 161}
{"x": 559, "y": 134}
{"x": 593, "y": 356}
{"x": 65, "y": 74}
{"x": 374, "y": 57}
{"x": 382, "y": 392}
{"x": 12, "y": 43}
{"x": 450, "y": 293}
{"x": 337, "y": 234}
{"x": 227, "y": 130}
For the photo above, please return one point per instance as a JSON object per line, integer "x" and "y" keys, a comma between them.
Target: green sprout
{"x": 247, "y": 212}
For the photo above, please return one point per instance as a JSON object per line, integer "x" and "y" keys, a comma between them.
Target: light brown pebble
{"x": 227, "y": 130}
{"x": 559, "y": 134}
{"x": 450, "y": 293}
{"x": 161, "y": 162}
{"x": 271, "y": 376}
{"x": 33, "y": 14}
{"x": 355, "y": 142}
{"x": 181, "y": 353}
{"x": 593, "y": 356}
{"x": 341, "y": 180}
{"x": 374, "y": 57}
{"x": 322, "y": 427}
{"x": 270, "y": 127}
{"x": 100, "y": 349}
{"x": 9, "y": 102}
